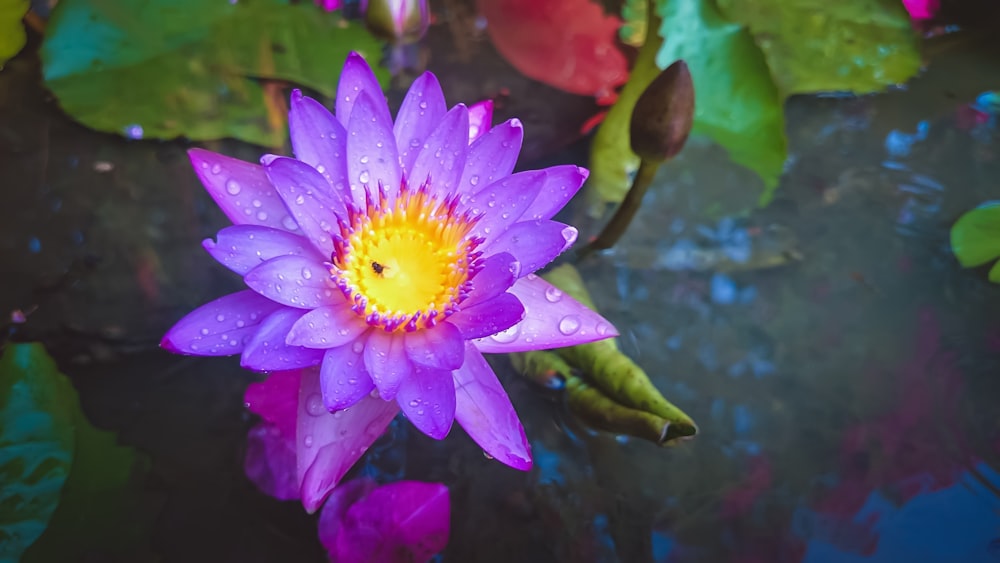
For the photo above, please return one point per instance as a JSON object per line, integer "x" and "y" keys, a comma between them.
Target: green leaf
{"x": 818, "y": 46}
{"x": 975, "y": 237}
{"x": 100, "y": 510}
{"x": 736, "y": 102}
{"x": 36, "y": 444}
{"x": 192, "y": 68}
{"x": 12, "y": 36}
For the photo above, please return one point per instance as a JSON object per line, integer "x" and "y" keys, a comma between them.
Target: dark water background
{"x": 847, "y": 400}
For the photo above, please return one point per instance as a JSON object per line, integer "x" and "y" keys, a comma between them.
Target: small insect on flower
{"x": 377, "y": 268}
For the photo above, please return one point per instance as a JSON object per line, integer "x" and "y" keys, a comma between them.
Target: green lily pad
{"x": 859, "y": 46}
{"x": 975, "y": 238}
{"x": 36, "y": 444}
{"x": 746, "y": 57}
{"x": 191, "y": 68}
{"x": 12, "y": 36}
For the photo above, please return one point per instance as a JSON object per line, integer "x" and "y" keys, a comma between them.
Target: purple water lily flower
{"x": 392, "y": 255}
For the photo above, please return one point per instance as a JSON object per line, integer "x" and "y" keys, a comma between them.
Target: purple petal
{"x": 276, "y": 399}
{"x": 503, "y": 202}
{"x": 421, "y": 111}
{"x": 441, "y": 160}
{"x": 372, "y": 157}
{"x": 427, "y": 398}
{"x": 491, "y": 157}
{"x": 331, "y": 518}
{"x": 343, "y": 377}
{"x": 328, "y": 444}
{"x": 327, "y": 327}
{"x": 483, "y": 409}
{"x": 440, "y": 347}
{"x": 241, "y": 189}
{"x": 535, "y": 243}
{"x": 295, "y": 281}
{"x": 270, "y": 462}
{"x": 497, "y": 274}
{"x": 266, "y": 350}
{"x": 309, "y": 198}
{"x": 559, "y": 186}
{"x": 318, "y": 139}
{"x": 243, "y": 247}
{"x": 386, "y": 361}
{"x": 221, "y": 327}
{"x": 489, "y": 317}
{"x": 480, "y": 119}
{"x": 357, "y": 78}
{"x": 552, "y": 320}
{"x": 402, "y": 521}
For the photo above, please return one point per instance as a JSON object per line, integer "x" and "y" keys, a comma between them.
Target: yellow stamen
{"x": 405, "y": 263}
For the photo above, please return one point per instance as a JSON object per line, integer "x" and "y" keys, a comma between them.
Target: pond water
{"x": 846, "y": 398}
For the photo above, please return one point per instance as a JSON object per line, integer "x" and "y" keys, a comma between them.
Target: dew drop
{"x": 233, "y": 187}
{"x": 220, "y": 317}
{"x": 307, "y": 273}
{"x": 338, "y": 414}
{"x": 240, "y": 324}
{"x": 358, "y": 346}
{"x": 256, "y": 203}
{"x": 423, "y": 105}
{"x": 319, "y": 167}
{"x": 414, "y": 403}
{"x": 216, "y": 169}
{"x": 204, "y": 332}
{"x": 262, "y": 216}
{"x": 506, "y": 336}
{"x": 474, "y": 180}
{"x": 314, "y": 405}
{"x": 486, "y": 455}
{"x": 364, "y": 177}
{"x": 307, "y": 441}
{"x": 289, "y": 223}
{"x": 553, "y": 294}
{"x": 602, "y": 329}
{"x": 569, "y": 324}
{"x": 363, "y": 160}
{"x": 300, "y": 200}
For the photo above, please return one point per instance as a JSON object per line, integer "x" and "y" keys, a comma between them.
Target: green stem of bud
{"x": 623, "y": 216}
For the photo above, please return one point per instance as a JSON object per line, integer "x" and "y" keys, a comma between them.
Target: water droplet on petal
{"x": 364, "y": 177}
{"x": 314, "y": 405}
{"x": 220, "y": 317}
{"x": 363, "y": 160}
{"x": 569, "y": 324}
{"x": 216, "y": 169}
{"x": 289, "y": 223}
{"x": 262, "y": 216}
{"x": 256, "y": 203}
{"x": 358, "y": 346}
{"x": 233, "y": 187}
{"x": 603, "y": 329}
{"x": 307, "y": 273}
{"x": 414, "y": 403}
{"x": 204, "y": 332}
{"x": 553, "y": 294}
{"x": 300, "y": 200}
{"x": 507, "y": 336}
{"x": 474, "y": 180}
{"x": 307, "y": 441}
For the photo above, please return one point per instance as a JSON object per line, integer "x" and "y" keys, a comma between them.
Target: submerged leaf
{"x": 191, "y": 68}
{"x": 605, "y": 388}
{"x": 975, "y": 238}
{"x": 12, "y": 36}
{"x": 36, "y": 444}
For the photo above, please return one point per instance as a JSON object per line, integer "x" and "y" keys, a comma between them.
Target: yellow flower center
{"x": 406, "y": 263}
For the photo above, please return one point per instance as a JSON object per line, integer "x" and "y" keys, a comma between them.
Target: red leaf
{"x": 568, "y": 44}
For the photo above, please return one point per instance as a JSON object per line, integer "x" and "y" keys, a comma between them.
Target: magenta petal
{"x": 503, "y": 202}
{"x": 295, "y": 281}
{"x": 243, "y": 247}
{"x": 276, "y": 399}
{"x": 241, "y": 189}
{"x": 357, "y": 78}
{"x": 427, "y": 398}
{"x": 399, "y": 522}
{"x": 489, "y": 317}
{"x": 318, "y": 139}
{"x": 386, "y": 361}
{"x": 270, "y": 462}
{"x": 372, "y": 157}
{"x": 221, "y": 327}
{"x": 535, "y": 243}
{"x": 309, "y": 198}
{"x": 441, "y": 160}
{"x": 480, "y": 119}
{"x": 421, "y": 111}
{"x": 331, "y": 518}
{"x": 552, "y": 320}
{"x": 266, "y": 349}
{"x": 483, "y": 409}
{"x": 328, "y": 444}
{"x": 327, "y": 327}
{"x": 491, "y": 157}
{"x": 343, "y": 377}
{"x": 497, "y": 273}
{"x": 559, "y": 186}
{"x": 440, "y": 347}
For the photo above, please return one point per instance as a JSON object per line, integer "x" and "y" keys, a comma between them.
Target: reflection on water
{"x": 839, "y": 363}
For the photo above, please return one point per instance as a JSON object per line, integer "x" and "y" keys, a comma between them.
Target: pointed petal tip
{"x": 569, "y": 234}
{"x": 583, "y": 172}
{"x": 167, "y": 344}
{"x": 297, "y": 95}
{"x": 516, "y": 123}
